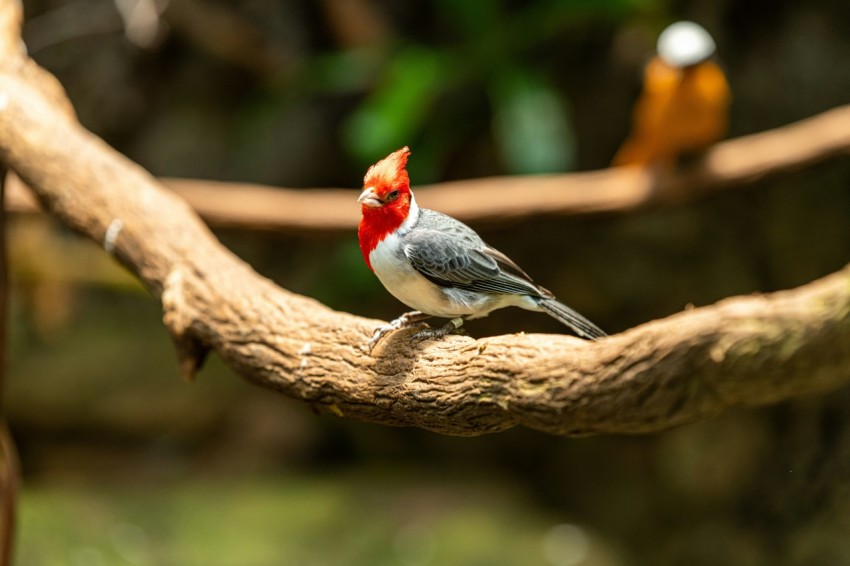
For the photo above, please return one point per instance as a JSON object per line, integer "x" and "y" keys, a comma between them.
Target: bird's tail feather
{"x": 564, "y": 314}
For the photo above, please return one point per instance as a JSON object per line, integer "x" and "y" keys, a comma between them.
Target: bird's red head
{"x": 385, "y": 200}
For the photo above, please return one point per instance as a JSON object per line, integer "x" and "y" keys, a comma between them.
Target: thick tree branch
{"x": 743, "y": 351}
{"x": 730, "y": 164}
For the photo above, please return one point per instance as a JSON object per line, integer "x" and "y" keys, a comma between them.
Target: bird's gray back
{"x": 450, "y": 253}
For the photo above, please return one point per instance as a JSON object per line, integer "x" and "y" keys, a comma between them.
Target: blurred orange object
{"x": 684, "y": 106}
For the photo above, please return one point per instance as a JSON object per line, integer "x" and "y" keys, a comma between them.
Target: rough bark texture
{"x": 743, "y": 351}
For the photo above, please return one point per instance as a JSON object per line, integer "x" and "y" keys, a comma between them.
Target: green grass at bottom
{"x": 299, "y": 520}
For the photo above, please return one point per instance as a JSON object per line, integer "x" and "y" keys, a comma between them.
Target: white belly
{"x": 405, "y": 283}
{"x": 411, "y": 288}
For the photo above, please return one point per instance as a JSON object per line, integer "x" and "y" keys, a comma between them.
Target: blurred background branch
{"x": 731, "y": 164}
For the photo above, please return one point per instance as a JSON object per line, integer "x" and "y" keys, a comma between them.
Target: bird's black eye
{"x": 392, "y": 195}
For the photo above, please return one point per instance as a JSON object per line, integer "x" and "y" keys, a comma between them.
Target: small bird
{"x": 438, "y": 265}
{"x": 684, "y": 105}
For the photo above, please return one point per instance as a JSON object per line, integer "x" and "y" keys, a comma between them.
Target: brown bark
{"x": 743, "y": 351}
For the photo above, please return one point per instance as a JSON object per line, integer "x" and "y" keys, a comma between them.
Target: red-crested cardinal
{"x": 438, "y": 265}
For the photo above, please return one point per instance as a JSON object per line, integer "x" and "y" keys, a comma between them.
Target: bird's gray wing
{"x": 459, "y": 258}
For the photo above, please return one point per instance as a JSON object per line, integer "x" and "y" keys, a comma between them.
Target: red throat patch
{"x": 385, "y": 177}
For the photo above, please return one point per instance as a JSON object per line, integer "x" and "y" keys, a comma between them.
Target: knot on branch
{"x": 176, "y": 316}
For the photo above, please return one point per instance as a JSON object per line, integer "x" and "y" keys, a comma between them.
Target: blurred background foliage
{"x": 125, "y": 464}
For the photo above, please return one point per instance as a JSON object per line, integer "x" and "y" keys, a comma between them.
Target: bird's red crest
{"x": 390, "y": 172}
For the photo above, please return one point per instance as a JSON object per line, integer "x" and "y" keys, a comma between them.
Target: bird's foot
{"x": 408, "y": 319}
{"x": 452, "y": 326}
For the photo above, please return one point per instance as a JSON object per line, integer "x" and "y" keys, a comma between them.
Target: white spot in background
{"x": 111, "y": 235}
{"x": 141, "y": 20}
{"x": 566, "y": 545}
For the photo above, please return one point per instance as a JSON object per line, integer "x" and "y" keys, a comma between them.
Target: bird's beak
{"x": 369, "y": 198}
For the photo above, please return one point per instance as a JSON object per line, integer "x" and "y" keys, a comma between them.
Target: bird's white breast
{"x": 400, "y": 278}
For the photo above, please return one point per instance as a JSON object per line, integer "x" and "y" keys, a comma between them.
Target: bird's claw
{"x": 407, "y": 320}
{"x": 451, "y": 327}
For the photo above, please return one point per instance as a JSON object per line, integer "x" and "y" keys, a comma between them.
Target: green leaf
{"x": 397, "y": 109}
{"x": 531, "y": 124}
